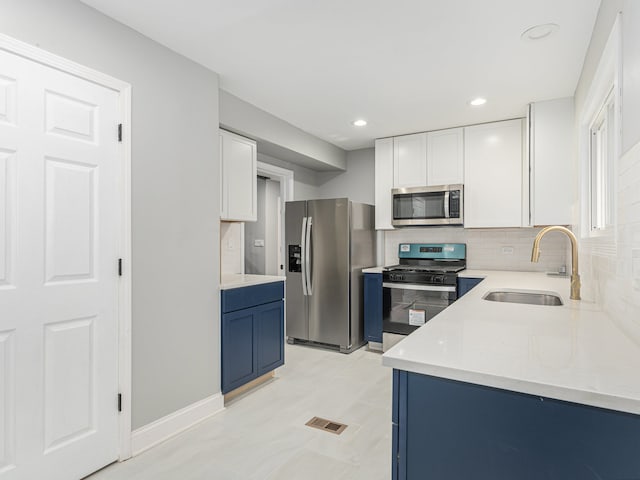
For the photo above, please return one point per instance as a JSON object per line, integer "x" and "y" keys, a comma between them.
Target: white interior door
{"x": 59, "y": 231}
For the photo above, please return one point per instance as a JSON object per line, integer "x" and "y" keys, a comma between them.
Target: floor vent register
{"x": 326, "y": 425}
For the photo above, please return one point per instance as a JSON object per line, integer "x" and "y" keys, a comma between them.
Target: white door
{"x": 59, "y": 231}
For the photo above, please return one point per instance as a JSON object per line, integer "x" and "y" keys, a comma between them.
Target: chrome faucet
{"x": 575, "y": 278}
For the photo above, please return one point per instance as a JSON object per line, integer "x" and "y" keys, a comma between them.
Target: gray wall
{"x": 357, "y": 183}
{"x": 304, "y": 179}
{"x": 254, "y": 257}
{"x": 278, "y": 138}
{"x": 175, "y": 196}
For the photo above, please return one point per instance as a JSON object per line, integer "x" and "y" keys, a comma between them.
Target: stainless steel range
{"x": 420, "y": 287}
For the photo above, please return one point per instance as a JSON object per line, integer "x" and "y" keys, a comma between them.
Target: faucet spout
{"x": 575, "y": 278}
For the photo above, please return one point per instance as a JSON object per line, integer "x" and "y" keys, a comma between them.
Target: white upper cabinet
{"x": 550, "y": 144}
{"x": 383, "y": 183}
{"x": 410, "y": 160}
{"x": 493, "y": 167}
{"x": 238, "y": 165}
{"x": 445, "y": 157}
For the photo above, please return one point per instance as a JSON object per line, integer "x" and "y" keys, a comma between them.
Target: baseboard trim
{"x": 164, "y": 428}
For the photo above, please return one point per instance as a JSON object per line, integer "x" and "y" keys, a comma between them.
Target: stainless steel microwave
{"x": 418, "y": 206}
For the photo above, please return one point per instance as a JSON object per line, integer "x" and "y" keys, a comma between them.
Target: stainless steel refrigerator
{"x": 329, "y": 242}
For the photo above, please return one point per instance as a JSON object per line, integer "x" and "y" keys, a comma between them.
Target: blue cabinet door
{"x": 269, "y": 323}
{"x": 466, "y": 284}
{"x": 239, "y": 360}
{"x": 450, "y": 430}
{"x": 373, "y": 307}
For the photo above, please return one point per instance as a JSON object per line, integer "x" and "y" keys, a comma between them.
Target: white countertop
{"x": 572, "y": 352}
{"x": 237, "y": 280}
{"x": 372, "y": 270}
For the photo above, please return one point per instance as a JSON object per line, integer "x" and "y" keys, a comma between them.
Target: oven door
{"x": 406, "y": 306}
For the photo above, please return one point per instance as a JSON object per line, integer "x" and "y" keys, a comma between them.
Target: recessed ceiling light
{"x": 476, "y": 102}
{"x": 539, "y": 32}
{"x": 359, "y": 123}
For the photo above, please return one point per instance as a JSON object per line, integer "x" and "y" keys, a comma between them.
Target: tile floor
{"x": 262, "y": 435}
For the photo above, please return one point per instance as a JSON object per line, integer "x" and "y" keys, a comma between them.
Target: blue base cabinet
{"x": 465, "y": 284}
{"x": 449, "y": 430}
{"x": 373, "y": 307}
{"x": 252, "y": 333}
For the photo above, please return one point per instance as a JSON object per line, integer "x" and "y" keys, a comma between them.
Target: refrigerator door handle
{"x": 307, "y": 257}
{"x": 303, "y": 260}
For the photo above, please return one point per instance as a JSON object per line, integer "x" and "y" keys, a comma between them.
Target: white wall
{"x": 175, "y": 165}
{"x": 357, "y": 183}
{"x": 610, "y": 268}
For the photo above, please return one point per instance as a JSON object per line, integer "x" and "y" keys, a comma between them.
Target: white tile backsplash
{"x": 231, "y": 247}
{"x": 612, "y": 263}
{"x": 488, "y": 249}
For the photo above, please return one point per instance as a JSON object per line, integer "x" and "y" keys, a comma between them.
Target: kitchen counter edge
{"x": 239, "y": 280}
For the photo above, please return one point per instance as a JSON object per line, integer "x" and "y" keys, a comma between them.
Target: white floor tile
{"x": 262, "y": 435}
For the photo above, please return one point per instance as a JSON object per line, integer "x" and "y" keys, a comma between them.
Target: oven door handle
{"x": 413, "y": 286}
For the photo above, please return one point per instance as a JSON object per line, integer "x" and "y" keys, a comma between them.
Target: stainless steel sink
{"x": 530, "y": 298}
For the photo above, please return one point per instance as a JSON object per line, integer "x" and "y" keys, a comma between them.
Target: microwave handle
{"x": 446, "y": 204}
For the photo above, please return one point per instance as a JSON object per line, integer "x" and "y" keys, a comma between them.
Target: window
{"x": 602, "y": 159}
{"x": 599, "y": 144}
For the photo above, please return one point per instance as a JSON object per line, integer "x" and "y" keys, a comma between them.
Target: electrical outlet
{"x": 258, "y": 242}
{"x": 507, "y": 250}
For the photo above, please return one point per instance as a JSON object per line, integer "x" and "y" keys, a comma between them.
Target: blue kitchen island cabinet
{"x": 252, "y": 333}
{"x": 450, "y": 430}
{"x": 467, "y": 283}
{"x": 373, "y": 307}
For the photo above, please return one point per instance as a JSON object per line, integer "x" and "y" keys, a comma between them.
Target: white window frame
{"x": 600, "y": 140}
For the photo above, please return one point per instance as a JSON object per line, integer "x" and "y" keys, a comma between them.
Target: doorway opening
{"x": 264, "y": 239}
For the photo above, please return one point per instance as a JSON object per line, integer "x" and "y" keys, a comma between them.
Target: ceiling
{"x": 405, "y": 66}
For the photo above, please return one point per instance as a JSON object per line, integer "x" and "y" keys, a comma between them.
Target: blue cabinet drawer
{"x": 247, "y": 297}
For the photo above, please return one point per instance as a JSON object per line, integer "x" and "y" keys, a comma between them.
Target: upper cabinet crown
{"x": 238, "y": 184}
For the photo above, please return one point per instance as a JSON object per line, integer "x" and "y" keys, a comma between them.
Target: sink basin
{"x": 530, "y": 298}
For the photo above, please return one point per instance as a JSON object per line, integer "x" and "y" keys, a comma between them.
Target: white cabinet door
{"x": 60, "y": 218}
{"x": 383, "y": 183}
{"x": 410, "y": 160}
{"x": 551, "y": 144}
{"x": 445, "y": 157}
{"x": 238, "y": 159}
{"x": 493, "y": 164}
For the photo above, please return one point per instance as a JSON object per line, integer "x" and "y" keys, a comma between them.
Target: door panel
{"x": 238, "y": 348}
{"x": 70, "y": 220}
{"x": 269, "y": 323}
{"x": 329, "y": 299}
{"x": 297, "y": 317}
{"x": 7, "y": 214}
{"x": 59, "y": 229}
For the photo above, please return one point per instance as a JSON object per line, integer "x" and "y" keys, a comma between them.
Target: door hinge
{"x": 119, "y": 402}
{"x": 119, "y": 267}
{"x": 119, "y": 132}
